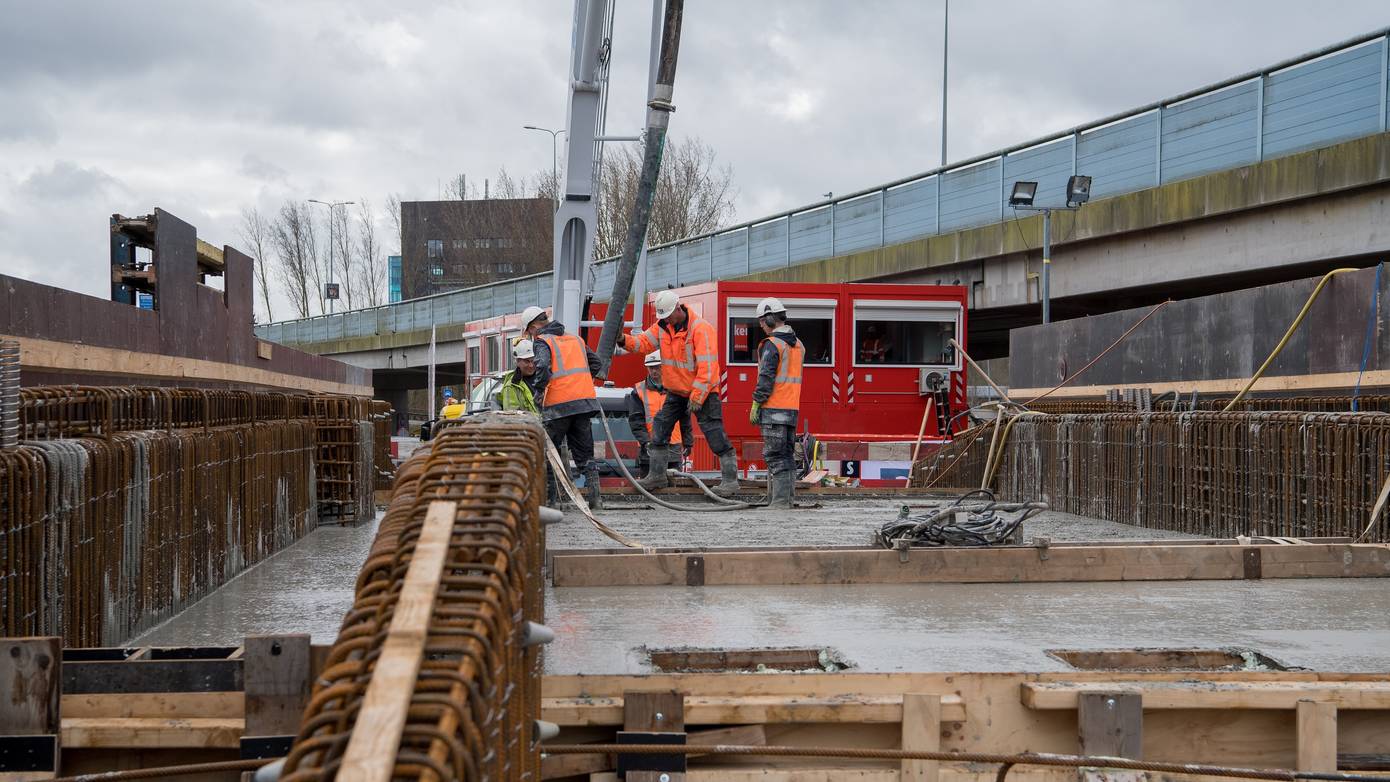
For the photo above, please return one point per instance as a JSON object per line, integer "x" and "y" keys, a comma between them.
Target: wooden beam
{"x": 1317, "y": 736}
{"x": 276, "y": 674}
{"x": 751, "y": 709}
{"x": 211, "y": 258}
{"x": 376, "y": 734}
{"x": 557, "y": 766}
{"x": 228, "y": 705}
{"x": 48, "y": 355}
{"x": 975, "y": 565}
{"x": 151, "y": 733}
{"x": 1110, "y": 724}
{"x": 653, "y": 712}
{"x": 1213, "y": 694}
{"x": 921, "y": 731}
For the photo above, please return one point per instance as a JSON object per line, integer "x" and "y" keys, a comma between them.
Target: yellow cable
{"x": 1287, "y": 334}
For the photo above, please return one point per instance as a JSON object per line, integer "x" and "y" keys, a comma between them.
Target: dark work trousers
{"x": 710, "y": 417}
{"x": 779, "y": 440}
{"x": 579, "y": 433}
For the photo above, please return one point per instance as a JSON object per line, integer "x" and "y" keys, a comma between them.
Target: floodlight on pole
{"x": 332, "y": 208}
{"x": 1023, "y": 194}
{"x": 1022, "y": 197}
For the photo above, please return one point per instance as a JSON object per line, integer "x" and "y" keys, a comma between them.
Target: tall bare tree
{"x": 694, "y": 195}
{"x": 393, "y": 214}
{"x": 371, "y": 261}
{"x": 343, "y": 252}
{"x": 298, "y": 269}
{"x": 255, "y": 232}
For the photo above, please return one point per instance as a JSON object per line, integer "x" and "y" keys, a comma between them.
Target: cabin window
{"x": 475, "y": 354}
{"x": 494, "y": 353}
{"x": 813, "y": 320}
{"x": 905, "y": 333}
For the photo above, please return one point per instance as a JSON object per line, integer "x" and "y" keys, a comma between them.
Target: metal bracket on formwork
{"x": 904, "y": 548}
{"x": 1042, "y": 545}
{"x": 1253, "y": 563}
{"x": 695, "y": 571}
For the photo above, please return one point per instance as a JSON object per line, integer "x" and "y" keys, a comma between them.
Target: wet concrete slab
{"x": 1323, "y": 624}
{"x": 307, "y": 588}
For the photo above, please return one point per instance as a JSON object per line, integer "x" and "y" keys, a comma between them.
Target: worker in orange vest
{"x": 646, "y": 399}
{"x": 564, "y": 383}
{"x": 690, "y": 373}
{"x": 777, "y": 399}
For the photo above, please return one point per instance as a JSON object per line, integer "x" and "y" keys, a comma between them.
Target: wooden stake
{"x": 1317, "y": 736}
{"x": 921, "y": 731}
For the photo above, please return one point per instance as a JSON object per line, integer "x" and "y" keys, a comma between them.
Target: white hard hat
{"x": 665, "y": 303}
{"x": 530, "y": 314}
{"x": 653, "y": 359}
{"x": 524, "y": 348}
{"x": 770, "y": 305}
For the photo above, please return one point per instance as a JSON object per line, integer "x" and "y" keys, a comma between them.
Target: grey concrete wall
{"x": 1214, "y": 337}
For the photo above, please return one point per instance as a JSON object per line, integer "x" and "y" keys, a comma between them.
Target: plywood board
{"x": 750, "y": 709}
{"x": 1214, "y": 694}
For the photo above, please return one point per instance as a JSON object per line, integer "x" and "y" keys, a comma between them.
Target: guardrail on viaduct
{"x": 1329, "y": 95}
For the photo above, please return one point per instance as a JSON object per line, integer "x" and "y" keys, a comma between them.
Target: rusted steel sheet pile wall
{"x": 122, "y": 505}
{"x": 469, "y": 715}
{"x": 1217, "y": 474}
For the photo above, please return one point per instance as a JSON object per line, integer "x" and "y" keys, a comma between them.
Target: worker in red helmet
{"x": 777, "y": 399}
{"x": 690, "y": 373}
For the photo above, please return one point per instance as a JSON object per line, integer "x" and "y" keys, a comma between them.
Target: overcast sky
{"x": 202, "y": 108}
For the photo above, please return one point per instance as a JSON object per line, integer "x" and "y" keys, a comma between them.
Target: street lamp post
{"x": 1078, "y": 193}
{"x": 554, "y": 158}
{"x": 332, "y": 209}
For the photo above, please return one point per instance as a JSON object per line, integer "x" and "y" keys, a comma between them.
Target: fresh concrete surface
{"x": 838, "y": 522}
{"x": 1324, "y": 624}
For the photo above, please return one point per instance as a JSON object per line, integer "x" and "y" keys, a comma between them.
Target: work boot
{"x": 779, "y": 489}
{"x": 728, "y": 474}
{"x": 660, "y": 457}
{"x": 595, "y": 492}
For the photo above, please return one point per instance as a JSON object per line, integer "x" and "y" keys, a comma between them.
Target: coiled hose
{"x": 672, "y": 505}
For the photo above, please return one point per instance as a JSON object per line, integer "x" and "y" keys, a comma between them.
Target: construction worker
{"x": 777, "y": 398}
{"x": 690, "y": 375}
{"x": 564, "y": 382}
{"x": 516, "y": 392}
{"x": 646, "y": 399}
{"x": 452, "y": 408}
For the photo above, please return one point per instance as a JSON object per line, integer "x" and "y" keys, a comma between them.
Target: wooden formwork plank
{"x": 1317, "y": 735}
{"x": 1110, "y": 724}
{"x": 227, "y": 705}
{"x": 152, "y": 733}
{"x": 974, "y": 565}
{"x": 921, "y": 731}
{"x": 276, "y": 675}
{"x": 376, "y": 734}
{"x": 750, "y": 709}
{"x": 1213, "y": 694}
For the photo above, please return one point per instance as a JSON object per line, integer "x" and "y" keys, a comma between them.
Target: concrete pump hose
{"x": 706, "y": 489}
{"x": 670, "y": 505}
{"x": 1303, "y": 313}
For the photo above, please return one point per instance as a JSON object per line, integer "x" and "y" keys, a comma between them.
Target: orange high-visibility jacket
{"x": 652, "y": 400}
{"x": 569, "y": 371}
{"x": 689, "y": 358}
{"x": 786, "y": 385}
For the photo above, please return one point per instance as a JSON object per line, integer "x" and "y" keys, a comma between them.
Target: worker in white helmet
{"x": 690, "y": 374}
{"x": 516, "y": 391}
{"x": 564, "y": 386}
{"x": 777, "y": 398}
{"x": 647, "y": 397}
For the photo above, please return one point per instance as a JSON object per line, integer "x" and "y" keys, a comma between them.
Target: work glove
{"x": 753, "y": 413}
{"x": 696, "y": 405}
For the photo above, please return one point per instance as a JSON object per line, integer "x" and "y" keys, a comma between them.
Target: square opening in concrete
{"x": 1162, "y": 659}
{"x": 688, "y": 660}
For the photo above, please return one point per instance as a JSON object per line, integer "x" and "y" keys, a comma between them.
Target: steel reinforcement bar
{"x": 121, "y": 505}
{"x": 435, "y": 674}
{"x": 1207, "y": 473}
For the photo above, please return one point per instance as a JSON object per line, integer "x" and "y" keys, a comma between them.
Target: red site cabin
{"x": 870, "y": 350}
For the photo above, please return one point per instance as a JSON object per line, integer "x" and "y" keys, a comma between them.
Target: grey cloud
{"x": 256, "y": 167}
{"x": 65, "y": 179}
